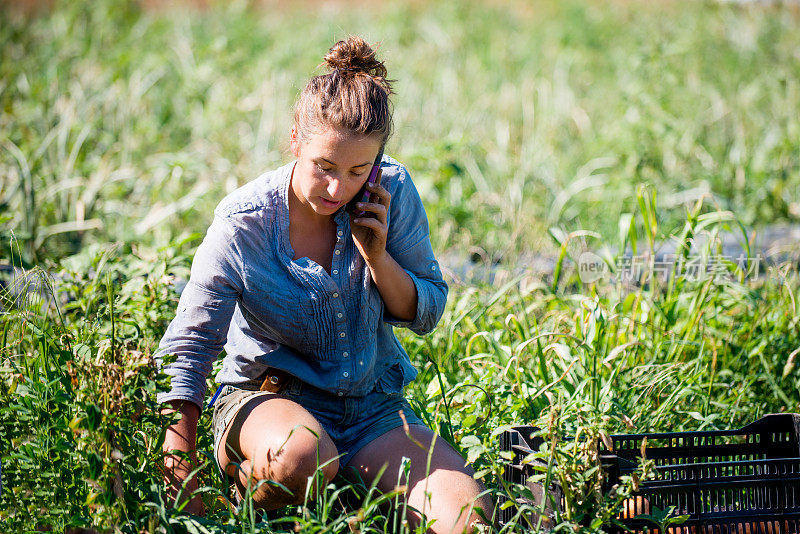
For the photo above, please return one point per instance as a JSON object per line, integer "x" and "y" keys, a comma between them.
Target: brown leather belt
{"x": 275, "y": 380}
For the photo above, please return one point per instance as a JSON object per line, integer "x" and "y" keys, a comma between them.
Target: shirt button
{"x": 339, "y": 315}
{"x": 340, "y": 393}
{"x": 341, "y": 334}
{"x": 337, "y": 252}
{"x": 360, "y": 362}
{"x": 336, "y": 295}
{"x": 433, "y": 267}
{"x": 345, "y": 374}
{"x": 339, "y": 233}
{"x": 345, "y": 354}
{"x": 335, "y": 271}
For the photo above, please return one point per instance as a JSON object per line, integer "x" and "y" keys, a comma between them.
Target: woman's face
{"x": 331, "y": 167}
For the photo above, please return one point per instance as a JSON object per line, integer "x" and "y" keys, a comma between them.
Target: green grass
{"x": 81, "y": 436}
{"x": 121, "y": 130}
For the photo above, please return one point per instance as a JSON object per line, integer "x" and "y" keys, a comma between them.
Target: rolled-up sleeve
{"x": 197, "y": 334}
{"x": 409, "y": 244}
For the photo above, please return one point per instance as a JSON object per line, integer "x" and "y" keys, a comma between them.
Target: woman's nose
{"x": 334, "y": 187}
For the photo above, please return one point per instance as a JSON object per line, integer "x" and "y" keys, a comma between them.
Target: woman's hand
{"x": 176, "y": 478}
{"x": 369, "y": 233}
{"x": 181, "y": 438}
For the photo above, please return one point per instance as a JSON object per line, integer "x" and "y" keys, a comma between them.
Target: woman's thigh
{"x": 275, "y": 437}
{"x": 443, "y": 491}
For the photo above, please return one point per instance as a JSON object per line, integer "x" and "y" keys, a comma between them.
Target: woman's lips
{"x": 328, "y": 204}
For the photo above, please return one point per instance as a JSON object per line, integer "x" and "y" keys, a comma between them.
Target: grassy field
{"x": 527, "y": 127}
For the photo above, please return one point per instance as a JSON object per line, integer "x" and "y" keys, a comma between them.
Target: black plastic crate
{"x": 729, "y": 481}
{"x": 521, "y": 441}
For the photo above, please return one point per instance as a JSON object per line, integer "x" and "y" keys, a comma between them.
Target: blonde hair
{"x": 353, "y": 95}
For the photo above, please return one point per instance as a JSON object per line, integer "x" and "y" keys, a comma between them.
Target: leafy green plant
{"x": 610, "y": 127}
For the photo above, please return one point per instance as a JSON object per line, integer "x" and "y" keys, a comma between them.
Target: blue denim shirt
{"x": 246, "y": 295}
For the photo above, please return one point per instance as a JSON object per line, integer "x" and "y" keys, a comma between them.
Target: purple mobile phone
{"x": 363, "y": 195}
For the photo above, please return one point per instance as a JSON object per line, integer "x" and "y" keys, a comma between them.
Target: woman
{"x": 302, "y": 291}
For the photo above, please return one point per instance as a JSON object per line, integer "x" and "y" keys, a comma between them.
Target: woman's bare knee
{"x": 280, "y": 445}
{"x": 291, "y": 462}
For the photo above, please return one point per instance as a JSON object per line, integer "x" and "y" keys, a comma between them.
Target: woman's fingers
{"x": 380, "y": 205}
{"x": 373, "y": 224}
{"x": 379, "y": 197}
{"x": 378, "y": 209}
{"x": 383, "y": 195}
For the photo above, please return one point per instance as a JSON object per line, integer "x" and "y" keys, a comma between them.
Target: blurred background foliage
{"x": 119, "y": 123}
{"x": 527, "y": 127}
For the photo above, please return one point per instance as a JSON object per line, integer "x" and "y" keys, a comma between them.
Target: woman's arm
{"x": 195, "y": 337}
{"x": 397, "y": 290}
{"x": 396, "y": 247}
{"x": 181, "y": 437}
{"x": 199, "y": 330}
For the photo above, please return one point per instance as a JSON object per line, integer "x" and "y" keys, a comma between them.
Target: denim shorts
{"x": 351, "y": 422}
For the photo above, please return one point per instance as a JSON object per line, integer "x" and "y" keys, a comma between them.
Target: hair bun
{"x": 355, "y": 56}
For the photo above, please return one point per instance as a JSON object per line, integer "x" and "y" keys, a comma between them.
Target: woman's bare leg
{"x": 446, "y": 493}
{"x": 273, "y": 438}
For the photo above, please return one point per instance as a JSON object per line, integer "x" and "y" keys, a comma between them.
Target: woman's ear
{"x": 294, "y": 141}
